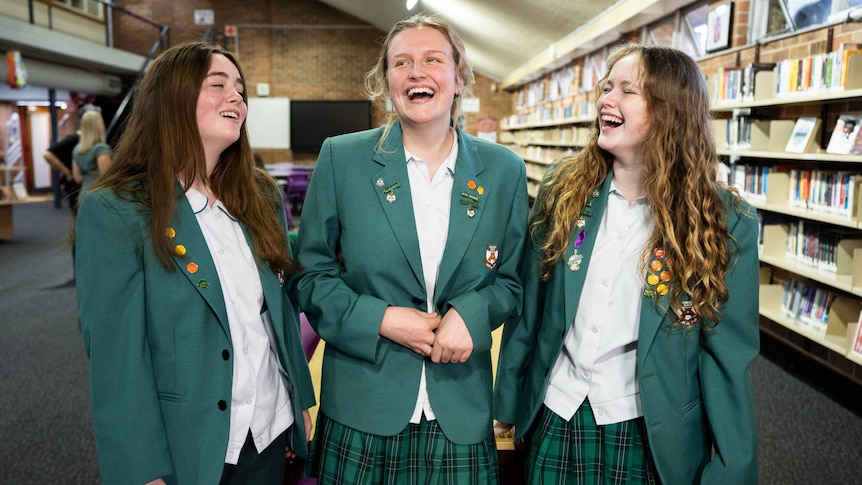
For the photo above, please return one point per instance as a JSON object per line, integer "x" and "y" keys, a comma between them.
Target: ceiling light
{"x": 411, "y": 4}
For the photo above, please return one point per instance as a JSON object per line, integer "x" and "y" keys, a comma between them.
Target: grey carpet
{"x": 810, "y": 425}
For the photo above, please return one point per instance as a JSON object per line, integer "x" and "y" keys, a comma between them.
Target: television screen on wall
{"x": 311, "y": 122}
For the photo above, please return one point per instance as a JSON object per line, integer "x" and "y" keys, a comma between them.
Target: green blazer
{"x": 161, "y": 359}
{"x": 361, "y": 254}
{"x": 695, "y": 385}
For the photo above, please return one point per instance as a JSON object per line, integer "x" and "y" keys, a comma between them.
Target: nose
{"x": 607, "y": 98}
{"x": 417, "y": 71}
{"x": 234, "y": 96}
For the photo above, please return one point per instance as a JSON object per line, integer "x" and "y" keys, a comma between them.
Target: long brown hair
{"x": 161, "y": 141}
{"x": 679, "y": 164}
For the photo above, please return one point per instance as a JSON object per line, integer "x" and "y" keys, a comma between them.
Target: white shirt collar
{"x": 449, "y": 163}
{"x": 198, "y": 202}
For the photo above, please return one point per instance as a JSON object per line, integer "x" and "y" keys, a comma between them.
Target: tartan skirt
{"x": 582, "y": 452}
{"x": 419, "y": 455}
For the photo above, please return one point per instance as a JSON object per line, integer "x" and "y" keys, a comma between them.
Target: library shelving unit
{"x": 547, "y": 131}
{"x": 827, "y": 338}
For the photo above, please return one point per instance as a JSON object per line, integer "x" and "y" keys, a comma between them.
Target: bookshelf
{"x": 828, "y": 269}
{"x": 542, "y": 141}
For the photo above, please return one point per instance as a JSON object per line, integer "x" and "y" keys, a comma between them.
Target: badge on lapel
{"x": 492, "y": 253}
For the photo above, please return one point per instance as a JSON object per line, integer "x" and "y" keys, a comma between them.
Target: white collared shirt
{"x": 259, "y": 398}
{"x": 431, "y": 205}
{"x": 598, "y": 359}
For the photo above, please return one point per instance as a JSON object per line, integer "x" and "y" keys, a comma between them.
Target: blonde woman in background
{"x": 92, "y": 155}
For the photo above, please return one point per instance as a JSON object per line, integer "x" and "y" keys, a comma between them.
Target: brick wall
{"x": 302, "y": 48}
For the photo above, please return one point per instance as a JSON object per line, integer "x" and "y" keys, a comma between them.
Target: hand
{"x": 411, "y": 328}
{"x": 306, "y": 421}
{"x": 157, "y": 481}
{"x": 453, "y": 342}
{"x": 504, "y": 429}
{"x": 306, "y": 418}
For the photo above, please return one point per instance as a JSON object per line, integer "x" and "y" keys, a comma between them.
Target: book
{"x": 19, "y": 190}
{"x": 847, "y": 51}
{"x": 845, "y": 133}
{"x": 856, "y": 348}
{"x": 856, "y": 149}
{"x": 803, "y": 136}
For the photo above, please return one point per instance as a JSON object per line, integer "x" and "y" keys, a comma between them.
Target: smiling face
{"x": 622, "y": 111}
{"x": 422, "y": 76}
{"x": 221, "y": 109}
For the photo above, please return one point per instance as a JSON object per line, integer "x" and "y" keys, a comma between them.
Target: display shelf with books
{"x": 547, "y": 133}
{"x": 809, "y": 197}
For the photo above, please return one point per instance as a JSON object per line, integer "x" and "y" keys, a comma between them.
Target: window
{"x": 89, "y": 7}
{"x": 774, "y": 17}
{"x": 684, "y": 30}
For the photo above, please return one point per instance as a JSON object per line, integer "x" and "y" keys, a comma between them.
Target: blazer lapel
{"x": 193, "y": 259}
{"x": 466, "y": 209}
{"x": 582, "y": 241}
{"x": 392, "y": 186}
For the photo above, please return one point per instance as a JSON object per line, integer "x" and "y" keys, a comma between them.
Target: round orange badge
{"x": 192, "y": 268}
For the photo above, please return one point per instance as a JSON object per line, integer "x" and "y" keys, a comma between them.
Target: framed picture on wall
{"x": 719, "y": 21}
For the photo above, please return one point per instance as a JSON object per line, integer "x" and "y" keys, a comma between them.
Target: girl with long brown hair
{"x": 196, "y": 365}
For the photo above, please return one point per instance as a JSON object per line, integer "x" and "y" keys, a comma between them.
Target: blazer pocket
{"x": 170, "y": 396}
{"x": 692, "y": 406}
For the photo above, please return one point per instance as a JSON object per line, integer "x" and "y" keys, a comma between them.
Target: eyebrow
{"x": 425, "y": 53}
{"x": 224, "y": 75}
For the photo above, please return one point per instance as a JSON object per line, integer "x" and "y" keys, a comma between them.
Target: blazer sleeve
{"x": 729, "y": 349}
{"x": 348, "y": 320}
{"x": 519, "y": 337}
{"x": 487, "y": 307}
{"x": 300, "y": 376}
{"x": 109, "y": 270}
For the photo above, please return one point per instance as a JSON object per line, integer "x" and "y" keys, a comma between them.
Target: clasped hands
{"x": 443, "y": 339}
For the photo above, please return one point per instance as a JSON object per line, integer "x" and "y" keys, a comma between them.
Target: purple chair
{"x": 297, "y": 187}
{"x": 310, "y": 339}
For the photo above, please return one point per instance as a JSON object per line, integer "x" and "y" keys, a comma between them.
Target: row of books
{"x": 544, "y": 114}
{"x": 737, "y": 84}
{"x": 832, "y": 192}
{"x": 807, "y": 304}
{"x": 737, "y": 134}
{"x": 814, "y": 73}
{"x": 825, "y": 191}
{"x": 814, "y": 244}
{"x": 846, "y": 137}
{"x": 750, "y": 180}
{"x": 543, "y": 154}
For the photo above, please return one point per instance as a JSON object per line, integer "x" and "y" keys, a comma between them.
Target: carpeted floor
{"x": 810, "y": 423}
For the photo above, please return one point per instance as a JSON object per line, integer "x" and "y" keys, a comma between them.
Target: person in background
{"x": 197, "y": 371}
{"x": 59, "y": 157}
{"x": 410, "y": 243}
{"x": 630, "y": 363}
{"x": 92, "y": 155}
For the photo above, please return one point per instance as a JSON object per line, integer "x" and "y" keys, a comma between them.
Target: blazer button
{"x": 417, "y": 301}
{"x": 222, "y": 405}
{"x": 225, "y": 354}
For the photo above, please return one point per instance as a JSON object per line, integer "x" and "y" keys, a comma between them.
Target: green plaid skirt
{"x": 582, "y": 452}
{"x": 419, "y": 455}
